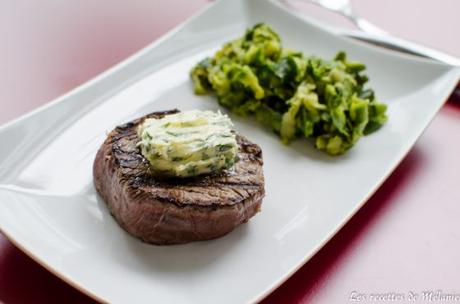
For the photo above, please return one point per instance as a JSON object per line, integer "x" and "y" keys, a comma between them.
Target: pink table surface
{"x": 405, "y": 239}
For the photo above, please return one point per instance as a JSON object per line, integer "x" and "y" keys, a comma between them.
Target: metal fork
{"x": 375, "y": 35}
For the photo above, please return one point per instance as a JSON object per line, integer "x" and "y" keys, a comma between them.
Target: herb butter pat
{"x": 188, "y": 143}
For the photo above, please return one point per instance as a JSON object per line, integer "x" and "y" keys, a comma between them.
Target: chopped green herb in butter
{"x": 188, "y": 143}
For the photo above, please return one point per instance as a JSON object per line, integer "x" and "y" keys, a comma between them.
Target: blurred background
{"x": 49, "y": 47}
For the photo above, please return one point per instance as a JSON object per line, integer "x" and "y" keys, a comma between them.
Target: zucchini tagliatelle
{"x": 293, "y": 94}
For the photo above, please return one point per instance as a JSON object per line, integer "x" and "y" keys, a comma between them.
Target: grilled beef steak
{"x": 175, "y": 210}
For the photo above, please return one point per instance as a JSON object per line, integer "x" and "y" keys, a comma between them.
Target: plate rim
{"x": 358, "y": 207}
{"x": 112, "y": 69}
{"x": 61, "y": 98}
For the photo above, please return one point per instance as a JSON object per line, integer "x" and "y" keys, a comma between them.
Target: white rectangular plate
{"x": 49, "y": 208}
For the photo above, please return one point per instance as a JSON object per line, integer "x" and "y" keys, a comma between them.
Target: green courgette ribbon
{"x": 295, "y": 95}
